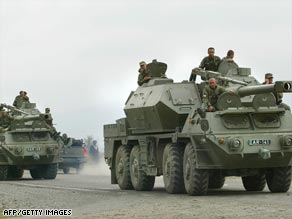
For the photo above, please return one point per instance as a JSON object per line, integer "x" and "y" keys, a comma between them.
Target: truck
{"x": 167, "y": 132}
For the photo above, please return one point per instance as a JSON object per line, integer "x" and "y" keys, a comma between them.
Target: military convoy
{"x": 28, "y": 141}
{"x": 166, "y": 132}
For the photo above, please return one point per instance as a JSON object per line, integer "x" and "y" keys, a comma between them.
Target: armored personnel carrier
{"x": 27, "y": 141}
{"x": 166, "y": 132}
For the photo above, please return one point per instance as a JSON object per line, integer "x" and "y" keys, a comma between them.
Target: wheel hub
{"x": 135, "y": 167}
{"x": 120, "y": 167}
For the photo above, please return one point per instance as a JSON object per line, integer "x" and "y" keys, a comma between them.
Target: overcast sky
{"x": 80, "y": 57}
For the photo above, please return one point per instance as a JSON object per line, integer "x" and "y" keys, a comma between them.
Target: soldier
{"x": 25, "y": 97}
{"x": 227, "y": 63}
{"x": 94, "y": 151}
{"x": 20, "y": 99}
{"x": 279, "y": 96}
{"x": 210, "y": 95}
{"x": 210, "y": 63}
{"x": 268, "y": 78}
{"x": 143, "y": 74}
{"x": 5, "y": 119}
{"x": 48, "y": 117}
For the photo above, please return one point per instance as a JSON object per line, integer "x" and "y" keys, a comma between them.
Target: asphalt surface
{"x": 90, "y": 195}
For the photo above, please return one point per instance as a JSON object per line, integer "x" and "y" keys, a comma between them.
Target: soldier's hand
{"x": 211, "y": 108}
{"x": 147, "y": 78}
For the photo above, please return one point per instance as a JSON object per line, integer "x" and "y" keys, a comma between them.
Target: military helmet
{"x": 142, "y": 63}
{"x": 268, "y": 75}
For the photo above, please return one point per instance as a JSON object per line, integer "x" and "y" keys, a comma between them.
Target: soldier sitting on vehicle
{"x": 143, "y": 74}
{"x": 5, "y": 119}
{"x": 211, "y": 93}
{"x": 279, "y": 96}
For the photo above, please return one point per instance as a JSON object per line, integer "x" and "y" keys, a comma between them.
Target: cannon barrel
{"x": 278, "y": 87}
{"x": 212, "y": 74}
{"x": 13, "y": 109}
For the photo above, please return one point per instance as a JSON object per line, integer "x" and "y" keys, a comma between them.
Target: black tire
{"x": 172, "y": 167}
{"x": 254, "y": 183}
{"x": 140, "y": 181}
{"x": 122, "y": 167}
{"x": 196, "y": 180}
{"x": 14, "y": 172}
{"x": 50, "y": 171}
{"x": 66, "y": 170}
{"x": 3, "y": 173}
{"x": 279, "y": 179}
{"x": 36, "y": 173}
{"x": 216, "y": 180}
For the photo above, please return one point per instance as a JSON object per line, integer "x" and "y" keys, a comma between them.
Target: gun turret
{"x": 13, "y": 109}
{"x": 216, "y": 75}
{"x": 265, "y": 95}
{"x": 278, "y": 87}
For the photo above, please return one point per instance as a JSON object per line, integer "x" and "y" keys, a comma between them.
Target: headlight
{"x": 18, "y": 150}
{"x": 50, "y": 150}
{"x": 235, "y": 144}
{"x": 286, "y": 141}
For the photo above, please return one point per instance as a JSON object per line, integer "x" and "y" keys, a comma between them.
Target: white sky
{"x": 80, "y": 57}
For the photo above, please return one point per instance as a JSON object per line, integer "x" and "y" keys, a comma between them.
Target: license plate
{"x": 259, "y": 142}
{"x": 33, "y": 149}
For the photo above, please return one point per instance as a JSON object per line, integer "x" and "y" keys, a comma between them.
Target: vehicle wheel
{"x": 3, "y": 172}
{"x": 36, "y": 173}
{"x": 66, "y": 170}
{"x": 216, "y": 180}
{"x": 254, "y": 183}
{"x": 196, "y": 180}
{"x": 173, "y": 169}
{"x": 279, "y": 179}
{"x": 50, "y": 171}
{"x": 140, "y": 181}
{"x": 122, "y": 167}
{"x": 14, "y": 172}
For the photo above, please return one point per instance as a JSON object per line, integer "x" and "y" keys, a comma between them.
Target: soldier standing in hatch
{"x": 20, "y": 99}
{"x": 209, "y": 63}
{"x": 227, "y": 63}
{"x": 143, "y": 74}
{"x": 279, "y": 96}
{"x": 210, "y": 95}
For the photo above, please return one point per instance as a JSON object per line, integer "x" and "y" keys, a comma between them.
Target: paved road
{"x": 90, "y": 195}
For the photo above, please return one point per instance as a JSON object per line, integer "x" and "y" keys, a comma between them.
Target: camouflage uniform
{"x": 210, "y": 96}
{"x": 141, "y": 76}
{"x": 19, "y": 100}
{"x": 208, "y": 63}
{"x": 5, "y": 121}
{"x": 278, "y": 96}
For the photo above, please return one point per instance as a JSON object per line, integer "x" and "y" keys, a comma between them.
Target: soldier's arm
{"x": 202, "y": 64}
{"x": 205, "y": 99}
{"x": 140, "y": 79}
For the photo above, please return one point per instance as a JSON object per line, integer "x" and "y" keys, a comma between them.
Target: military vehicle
{"x": 167, "y": 133}
{"x": 27, "y": 141}
{"x": 72, "y": 155}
